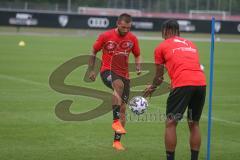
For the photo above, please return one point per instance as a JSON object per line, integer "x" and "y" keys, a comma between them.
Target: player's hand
{"x": 92, "y": 76}
{"x": 149, "y": 90}
{"x": 138, "y": 70}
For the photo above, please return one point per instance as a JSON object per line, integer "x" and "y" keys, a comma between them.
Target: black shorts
{"x": 191, "y": 97}
{"x": 108, "y": 77}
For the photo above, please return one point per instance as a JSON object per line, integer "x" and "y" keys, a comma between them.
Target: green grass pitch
{"x": 30, "y": 130}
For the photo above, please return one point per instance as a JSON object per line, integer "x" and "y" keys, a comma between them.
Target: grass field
{"x": 30, "y": 130}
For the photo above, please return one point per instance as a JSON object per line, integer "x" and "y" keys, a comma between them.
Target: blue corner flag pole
{"x": 210, "y": 90}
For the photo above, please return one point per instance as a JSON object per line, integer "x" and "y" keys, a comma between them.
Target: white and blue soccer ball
{"x": 138, "y": 105}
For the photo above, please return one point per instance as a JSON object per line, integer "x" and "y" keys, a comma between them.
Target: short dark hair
{"x": 125, "y": 17}
{"x": 171, "y": 26}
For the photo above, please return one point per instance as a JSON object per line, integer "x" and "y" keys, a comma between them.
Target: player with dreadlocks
{"x": 188, "y": 86}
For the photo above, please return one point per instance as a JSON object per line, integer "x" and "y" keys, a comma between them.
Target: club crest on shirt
{"x": 126, "y": 45}
{"x": 110, "y": 46}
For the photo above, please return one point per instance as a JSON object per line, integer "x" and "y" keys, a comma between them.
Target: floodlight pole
{"x": 230, "y": 7}
{"x": 69, "y": 5}
{"x": 210, "y": 89}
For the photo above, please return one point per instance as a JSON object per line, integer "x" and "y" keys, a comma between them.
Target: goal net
{"x": 207, "y": 14}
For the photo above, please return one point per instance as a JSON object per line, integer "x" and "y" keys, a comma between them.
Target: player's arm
{"x": 136, "y": 52}
{"x": 91, "y": 65}
{"x": 157, "y": 80}
{"x": 158, "y": 76}
{"x": 91, "y": 62}
{"x": 138, "y": 64}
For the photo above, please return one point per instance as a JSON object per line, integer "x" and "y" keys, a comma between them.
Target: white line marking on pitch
{"x": 22, "y": 80}
{"x": 222, "y": 120}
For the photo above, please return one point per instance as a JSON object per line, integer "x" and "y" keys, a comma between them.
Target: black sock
{"x": 170, "y": 155}
{"x": 194, "y": 155}
{"x": 116, "y": 111}
{"x": 117, "y": 137}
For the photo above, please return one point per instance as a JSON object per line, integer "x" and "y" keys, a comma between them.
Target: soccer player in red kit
{"x": 116, "y": 45}
{"x": 188, "y": 83}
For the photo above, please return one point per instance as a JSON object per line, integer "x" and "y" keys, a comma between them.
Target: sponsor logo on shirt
{"x": 179, "y": 41}
{"x": 185, "y": 49}
{"x": 124, "y": 46}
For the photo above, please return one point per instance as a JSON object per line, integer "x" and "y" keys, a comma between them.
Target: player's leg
{"x": 194, "y": 139}
{"x": 117, "y": 136}
{"x": 124, "y": 98}
{"x": 107, "y": 80}
{"x": 112, "y": 81}
{"x": 123, "y": 114}
{"x": 116, "y": 99}
{"x": 124, "y": 101}
{"x": 118, "y": 87}
{"x": 194, "y": 114}
{"x": 121, "y": 88}
{"x": 119, "y": 110}
{"x": 177, "y": 102}
{"x": 170, "y": 138}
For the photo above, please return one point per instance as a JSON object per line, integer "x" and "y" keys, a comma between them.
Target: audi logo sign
{"x": 95, "y": 22}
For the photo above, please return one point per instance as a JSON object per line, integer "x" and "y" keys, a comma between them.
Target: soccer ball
{"x": 138, "y": 105}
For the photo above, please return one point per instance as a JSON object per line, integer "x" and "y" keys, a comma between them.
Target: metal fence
{"x": 232, "y": 7}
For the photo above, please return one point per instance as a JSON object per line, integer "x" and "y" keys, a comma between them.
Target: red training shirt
{"x": 180, "y": 56}
{"x": 116, "y": 50}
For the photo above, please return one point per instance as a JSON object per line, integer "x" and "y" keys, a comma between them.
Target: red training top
{"x": 116, "y": 50}
{"x": 181, "y": 59}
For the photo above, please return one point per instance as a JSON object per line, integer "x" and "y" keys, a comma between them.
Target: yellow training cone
{"x": 22, "y": 44}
